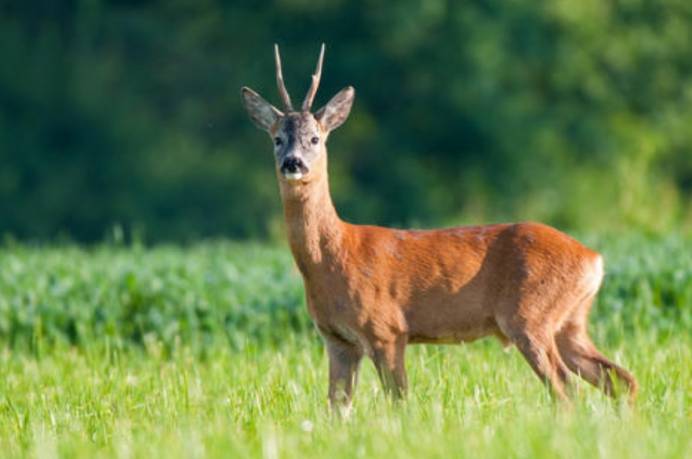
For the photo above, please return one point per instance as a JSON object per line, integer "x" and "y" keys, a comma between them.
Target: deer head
{"x": 299, "y": 136}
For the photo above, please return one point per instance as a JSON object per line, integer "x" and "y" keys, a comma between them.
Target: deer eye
{"x": 315, "y": 140}
{"x": 278, "y": 141}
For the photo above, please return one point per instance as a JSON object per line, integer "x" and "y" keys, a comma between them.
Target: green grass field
{"x": 207, "y": 351}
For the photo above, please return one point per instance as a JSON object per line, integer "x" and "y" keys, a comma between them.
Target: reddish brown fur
{"x": 373, "y": 290}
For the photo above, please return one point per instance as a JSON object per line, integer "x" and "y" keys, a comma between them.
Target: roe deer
{"x": 373, "y": 290}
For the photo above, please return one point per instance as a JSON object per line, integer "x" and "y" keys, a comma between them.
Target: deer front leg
{"x": 389, "y": 361}
{"x": 344, "y": 359}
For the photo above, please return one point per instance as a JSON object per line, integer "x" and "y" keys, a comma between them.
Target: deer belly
{"x": 456, "y": 337}
{"x": 450, "y": 325}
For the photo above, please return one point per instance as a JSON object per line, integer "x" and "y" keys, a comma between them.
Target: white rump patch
{"x": 593, "y": 274}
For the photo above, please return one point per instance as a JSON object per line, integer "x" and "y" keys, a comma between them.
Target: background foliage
{"x": 207, "y": 351}
{"x": 234, "y": 295}
{"x": 127, "y": 112}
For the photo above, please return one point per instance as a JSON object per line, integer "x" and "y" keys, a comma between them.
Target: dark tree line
{"x": 128, "y": 112}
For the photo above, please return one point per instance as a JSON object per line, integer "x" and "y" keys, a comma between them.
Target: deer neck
{"x": 314, "y": 228}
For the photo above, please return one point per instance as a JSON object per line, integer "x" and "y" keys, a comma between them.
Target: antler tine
{"x": 310, "y": 96}
{"x": 280, "y": 80}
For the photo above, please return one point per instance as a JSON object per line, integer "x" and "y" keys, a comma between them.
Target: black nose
{"x": 293, "y": 165}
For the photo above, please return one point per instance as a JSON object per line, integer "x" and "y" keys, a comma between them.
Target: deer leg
{"x": 389, "y": 361}
{"x": 583, "y": 359}
{"x": 540, "y": 351}
{"x": 344, "y": 360}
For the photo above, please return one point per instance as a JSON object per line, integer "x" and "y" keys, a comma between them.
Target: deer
{"x": 372, "y": 291}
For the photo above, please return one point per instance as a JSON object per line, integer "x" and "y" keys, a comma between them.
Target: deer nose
{"x": 293, "y": 165}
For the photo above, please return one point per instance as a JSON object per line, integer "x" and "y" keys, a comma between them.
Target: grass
{"x": 207, "y": 351}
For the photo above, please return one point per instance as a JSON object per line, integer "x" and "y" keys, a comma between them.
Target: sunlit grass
{"x": 470, "y": 401}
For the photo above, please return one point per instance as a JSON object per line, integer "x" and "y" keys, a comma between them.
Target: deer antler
{"x": 280, "y": 81}
{"x": 310, "y": 96}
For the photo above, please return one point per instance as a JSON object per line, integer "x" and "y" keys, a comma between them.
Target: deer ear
{"x": 333, "y": 115}
{"x": 261, "y": 112}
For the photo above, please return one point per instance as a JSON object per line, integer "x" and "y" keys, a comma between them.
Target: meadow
{"x": 207, "y": 350}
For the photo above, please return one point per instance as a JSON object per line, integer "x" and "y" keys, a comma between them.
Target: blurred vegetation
{"x": 249, "y": 295}
{"x": 127, "y": 112}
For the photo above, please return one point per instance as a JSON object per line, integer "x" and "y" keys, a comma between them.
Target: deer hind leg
{"x": 583, "y": 359}
{"x": 544, "y": 358}
{"x": 577, "y": 350}
{"x": 390, "y": 364}
{"x": 540, "y": 351}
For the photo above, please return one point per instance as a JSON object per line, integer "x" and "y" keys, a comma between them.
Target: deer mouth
{"x": 293, "y": 169}
{"x": 293, "y": 175}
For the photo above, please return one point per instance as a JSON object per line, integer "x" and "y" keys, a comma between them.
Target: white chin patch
{"x": 293, "y": 175}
